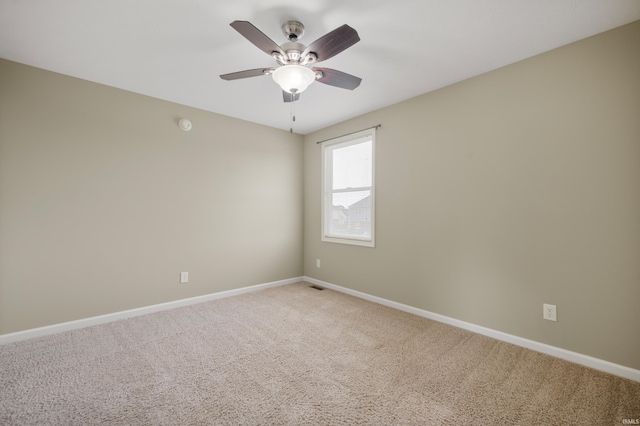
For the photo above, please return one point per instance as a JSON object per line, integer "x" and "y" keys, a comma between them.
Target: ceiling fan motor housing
{"x": 293, "y": 52}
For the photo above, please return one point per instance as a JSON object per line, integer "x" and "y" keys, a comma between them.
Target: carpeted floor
{"x": 293, "y": 355}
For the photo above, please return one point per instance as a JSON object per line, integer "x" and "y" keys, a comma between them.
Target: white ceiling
{"x": 176, "y": 49}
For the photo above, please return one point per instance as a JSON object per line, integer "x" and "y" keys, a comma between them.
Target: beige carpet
{"x": 294, "y": 355}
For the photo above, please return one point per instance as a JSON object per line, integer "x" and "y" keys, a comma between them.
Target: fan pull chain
{"x": 293, "y": 109}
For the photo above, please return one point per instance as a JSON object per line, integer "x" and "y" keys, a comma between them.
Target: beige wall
{"x": 506, "y": 191}
{"x": 104, "y": 200}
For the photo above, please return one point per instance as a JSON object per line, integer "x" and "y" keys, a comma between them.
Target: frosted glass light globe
{"x": 293, "y": 78}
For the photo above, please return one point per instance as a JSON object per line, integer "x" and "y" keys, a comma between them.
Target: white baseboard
{"x": 86, "y": 322}
{"x": 587, "y": 361}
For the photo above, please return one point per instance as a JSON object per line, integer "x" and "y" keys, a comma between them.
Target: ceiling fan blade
{"x": 257, "y": 37}
{"x": 246, "y": 73}
{"x": 287, "y": 97}
{"x": 333, "y": 43}
{"x": 338, "y": 78}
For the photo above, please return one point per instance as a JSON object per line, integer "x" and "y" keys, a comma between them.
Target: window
{"x": 347, "y": 189}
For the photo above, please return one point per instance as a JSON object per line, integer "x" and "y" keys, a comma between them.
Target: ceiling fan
{"x": 294, "y": 74}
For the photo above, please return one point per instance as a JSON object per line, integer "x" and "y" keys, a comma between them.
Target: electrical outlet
{"x": 184, "y": 277}
{"x": 549, "y": 312}
{"x": 317, "y": 263}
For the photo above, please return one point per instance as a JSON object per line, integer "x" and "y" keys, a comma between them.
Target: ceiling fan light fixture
{"x": 293, "y": 78}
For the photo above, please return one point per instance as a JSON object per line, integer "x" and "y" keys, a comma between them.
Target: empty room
{"x": 276, "y": 212}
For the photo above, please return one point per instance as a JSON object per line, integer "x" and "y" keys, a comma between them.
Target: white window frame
{"x": 327, "y": 191}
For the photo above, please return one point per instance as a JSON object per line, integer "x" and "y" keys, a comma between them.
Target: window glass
{"x": 348, "y": 191}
